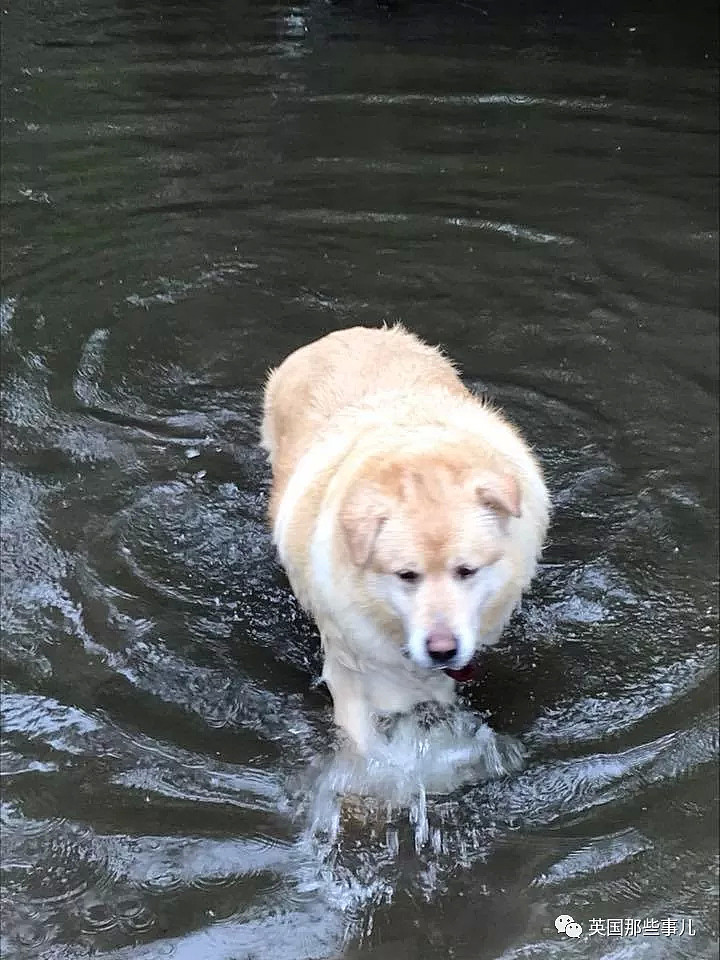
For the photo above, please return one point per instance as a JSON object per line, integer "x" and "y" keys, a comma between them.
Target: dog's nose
{"x": 441, "y": 645}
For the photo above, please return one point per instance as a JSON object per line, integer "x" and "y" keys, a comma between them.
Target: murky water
{"x": 193, "y": 190}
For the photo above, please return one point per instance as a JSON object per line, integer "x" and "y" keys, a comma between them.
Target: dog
{"x": 409, "y": 516}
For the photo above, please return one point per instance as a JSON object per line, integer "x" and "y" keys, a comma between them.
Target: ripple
{"x": 417, "y": 222}
{"x": 311, "y": 934}
{"x": 33, "y": 598}
{"x": 170, "y": 290}
{"x": 163, "y": 769}
{"x": 15, "y": 765}
{"x": 596, "y": 718}
{"x": 594, "y": 857}
{"x": 90, "y": 369}
{"x": 223, "y": 700}
{"x": 140, "y": 922}
{"x": 465, "y": 99}
{"x": 16, "y": 824}
{"x": 32, "y": 419}
{"x": 42, "y": 718}
{"x": 99, "y": 917}
{"x": 169, "y": 863}
{"x": 163, "y": 882}
{"x": 115, "y": 910}
{"x": 8, "y": 305}
{"x": 247, "y": 789}
{"x": 550, "y": 792}
{"x": 198, "y": 542}
{"x": 53, "y": 863}
{"x": 130, "y": 908}
{"x": 26, "y": 927}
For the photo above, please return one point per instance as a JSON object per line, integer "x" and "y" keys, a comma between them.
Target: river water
{"x": 191, "y": 191}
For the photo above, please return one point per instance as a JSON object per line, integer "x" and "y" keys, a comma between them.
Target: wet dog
{"x": 408, "y": 514}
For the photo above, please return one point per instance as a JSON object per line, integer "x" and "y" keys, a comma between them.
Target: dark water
{"x": 193, "y": 190}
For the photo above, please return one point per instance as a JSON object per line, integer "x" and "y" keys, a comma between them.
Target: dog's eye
{"x": 464, "y": 573}
{"x": 408, "y": 576}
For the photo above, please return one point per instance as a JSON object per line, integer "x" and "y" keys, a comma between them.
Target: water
{"x": 193, "y": 190}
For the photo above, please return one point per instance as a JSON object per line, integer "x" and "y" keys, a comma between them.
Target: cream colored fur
{"x": 384, "y": 463}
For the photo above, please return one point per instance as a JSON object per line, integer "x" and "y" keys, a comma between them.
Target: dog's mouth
{"x": 458, "y": 674}
{"x": 463, "y": 674}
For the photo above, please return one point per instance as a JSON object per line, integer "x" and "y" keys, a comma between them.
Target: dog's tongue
{"x": 464, "y": 674}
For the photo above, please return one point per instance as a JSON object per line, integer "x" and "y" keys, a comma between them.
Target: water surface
{"x": 193, "y": 190}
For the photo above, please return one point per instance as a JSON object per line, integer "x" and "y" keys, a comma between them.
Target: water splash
{"x": 403, "y": 779}
{"x": 375, "y": 825}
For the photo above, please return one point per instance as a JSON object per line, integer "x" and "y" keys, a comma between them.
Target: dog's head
{"x": 429, "y": 534}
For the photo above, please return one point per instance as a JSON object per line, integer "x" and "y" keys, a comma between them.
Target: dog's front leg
{"x": 353, "y": 712}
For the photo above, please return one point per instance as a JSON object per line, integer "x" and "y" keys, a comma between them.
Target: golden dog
{"x": 408, "y": 514}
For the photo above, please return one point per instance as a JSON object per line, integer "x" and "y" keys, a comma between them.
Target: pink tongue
{"x": 464, "y": 674}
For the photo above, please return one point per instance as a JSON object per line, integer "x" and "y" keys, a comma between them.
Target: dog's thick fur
{"x": 384, "y": 465}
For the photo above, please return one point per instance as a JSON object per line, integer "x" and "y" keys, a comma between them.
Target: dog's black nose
{"x": 442, "y": 656}
{"x": 441, "y": 645}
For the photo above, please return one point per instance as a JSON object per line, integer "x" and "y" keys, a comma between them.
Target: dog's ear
{"x": 361, "y": 517}
{"x": 499, "y": 491}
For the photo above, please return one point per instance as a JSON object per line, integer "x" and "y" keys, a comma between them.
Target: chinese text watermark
{"x": 627, "y": 927}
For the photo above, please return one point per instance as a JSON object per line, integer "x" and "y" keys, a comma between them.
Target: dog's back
{"x": 342, "y": 369}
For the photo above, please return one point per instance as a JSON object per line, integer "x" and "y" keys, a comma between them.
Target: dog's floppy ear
{"x": 361, "y": 516}
{"x": 499, "y": 491}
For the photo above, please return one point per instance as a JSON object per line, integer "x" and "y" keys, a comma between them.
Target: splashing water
{"x": 419, "y": 757}
{"x": 377, "y": 823}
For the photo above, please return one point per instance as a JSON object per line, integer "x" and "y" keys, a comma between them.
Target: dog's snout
{"x": 441, "y": 645}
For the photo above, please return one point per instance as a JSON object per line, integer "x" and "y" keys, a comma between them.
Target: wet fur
{"x": 383, "y": 460}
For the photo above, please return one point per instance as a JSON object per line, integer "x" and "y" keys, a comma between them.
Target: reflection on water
{"x": 193, "y": 191}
